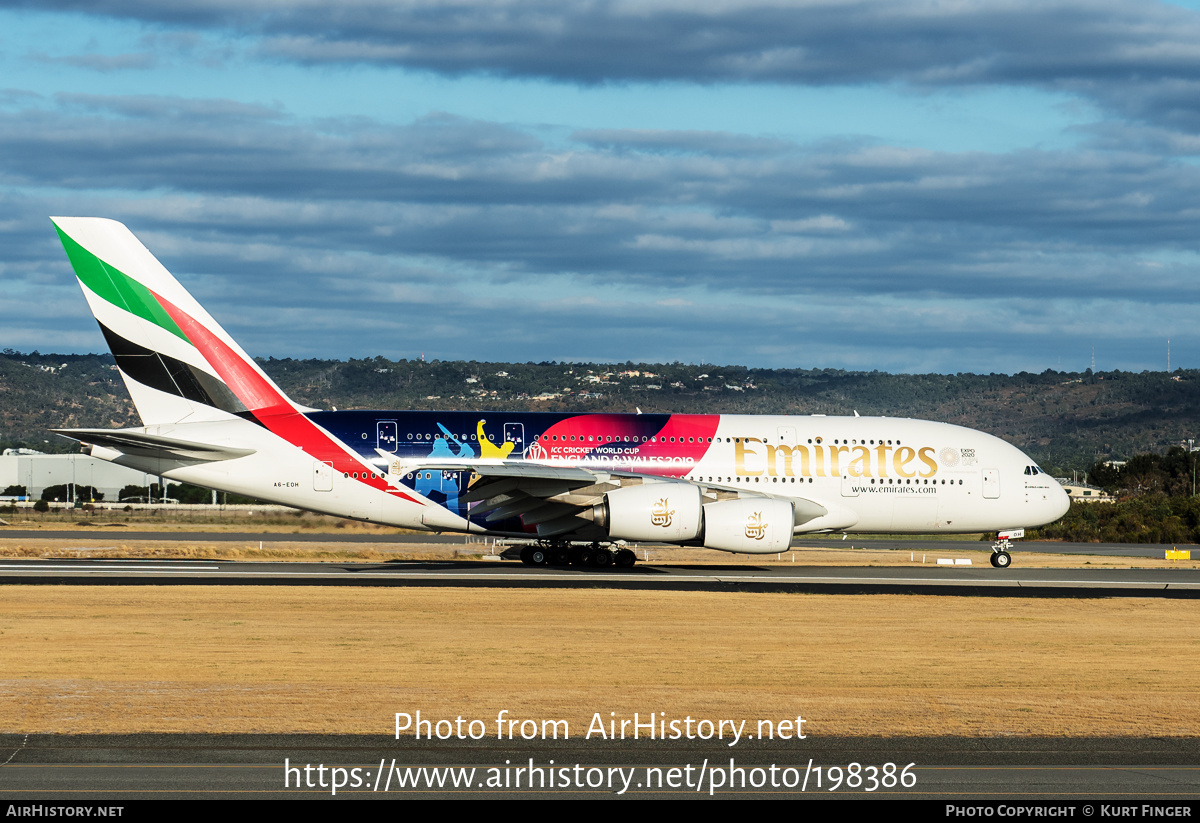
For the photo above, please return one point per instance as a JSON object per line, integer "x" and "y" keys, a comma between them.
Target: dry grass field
{"x": 280, "y": 519}
{"x": 214, "y": 659}
{"x": 280, "y": 548}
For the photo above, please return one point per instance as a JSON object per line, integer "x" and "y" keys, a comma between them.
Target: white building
{"x": 37, "y": 471}
{"x": 1088, "y": 494}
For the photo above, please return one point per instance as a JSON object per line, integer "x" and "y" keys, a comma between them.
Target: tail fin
{"x": 177, "y": 362}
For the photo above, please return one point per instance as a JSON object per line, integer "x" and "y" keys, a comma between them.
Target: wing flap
{"x": 561, "y": 526}
{"x": 518, "y": 507}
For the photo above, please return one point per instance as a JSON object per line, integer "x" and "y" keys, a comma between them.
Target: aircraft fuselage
{"x": 414, "y": 468}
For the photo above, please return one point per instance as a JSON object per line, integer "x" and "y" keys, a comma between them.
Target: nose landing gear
{"x": 1001, "y": 559}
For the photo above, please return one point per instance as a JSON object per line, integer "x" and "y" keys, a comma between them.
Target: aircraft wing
{"x": 574, "y": 503}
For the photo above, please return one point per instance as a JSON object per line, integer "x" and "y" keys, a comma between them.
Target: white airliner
{"x": 578, "y": 485}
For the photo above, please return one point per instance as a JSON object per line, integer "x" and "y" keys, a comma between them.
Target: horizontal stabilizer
{"x": 135, "y": 442}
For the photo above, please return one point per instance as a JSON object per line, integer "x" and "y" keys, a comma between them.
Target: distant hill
{"x": 43, "y": 391}
{"x": 1064, "y": 420}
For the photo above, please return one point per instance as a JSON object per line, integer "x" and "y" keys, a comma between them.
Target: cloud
{"x": 625, "y": 244}
{"x": 624, "y": 210}
{"x": 1138, "y": 59}
{"x": 103, "y": 63}
{"x": 682, "y": 142}
{"x": 222, "y": 112}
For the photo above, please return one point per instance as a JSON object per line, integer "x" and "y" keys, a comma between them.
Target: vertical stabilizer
{"x": 178, "y": 363}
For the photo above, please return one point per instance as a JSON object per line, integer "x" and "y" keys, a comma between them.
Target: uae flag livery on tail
{"x": 177, "y": 362}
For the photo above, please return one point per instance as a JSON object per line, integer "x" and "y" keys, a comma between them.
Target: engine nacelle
{"x": 652, "y": 512}
{"x": 751, "y": 525}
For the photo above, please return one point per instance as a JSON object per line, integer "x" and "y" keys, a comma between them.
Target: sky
{"x": 941, "y": 186}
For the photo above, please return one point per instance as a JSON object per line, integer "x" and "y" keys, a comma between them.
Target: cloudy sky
{"x": 906, "y": 186}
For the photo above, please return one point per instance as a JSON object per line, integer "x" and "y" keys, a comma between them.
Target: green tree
{"x": 64, "y": 492}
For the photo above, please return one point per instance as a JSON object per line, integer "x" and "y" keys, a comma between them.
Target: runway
{"x": 116, "y": 769}
{"x": 916, "y": 579}
{"x": 119, "y": 768}
{"x": 917, "y": 543}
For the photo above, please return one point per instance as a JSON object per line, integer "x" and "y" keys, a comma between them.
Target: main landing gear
{"x": 566, "y": 554}
{"x": 1001, "y": 559}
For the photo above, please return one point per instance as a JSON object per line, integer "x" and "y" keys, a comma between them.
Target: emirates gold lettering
{"x": 882, "y": 449}
{"x": 835, "y": 453}
{"x": 860, "y": 466}
{"x": 785, "y": 454}
{"x": 660, "y": 514}
{"x": 755, "y": 528}
{"x": 926, "y": 457}
{"x": 742, "y": 449}
{"x": 879, "y": 461}
{"x": 900, "y": 460}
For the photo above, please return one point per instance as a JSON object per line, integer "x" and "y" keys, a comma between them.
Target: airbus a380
{"x": 579, "y": 485}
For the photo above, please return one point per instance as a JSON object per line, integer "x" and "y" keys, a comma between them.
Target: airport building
{"x": 1088, "y": 494}
{"x": 36, "y": 471}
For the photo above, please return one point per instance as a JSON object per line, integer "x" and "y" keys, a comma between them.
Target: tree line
{"x": 1155, "y": 502}
{"x": 1064, "y": 420}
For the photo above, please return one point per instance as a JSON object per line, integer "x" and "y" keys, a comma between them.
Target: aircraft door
{"x": 991, "y": 484}
{"x": 850, "y": 485}
{"x": 386, "y": 436}
{"x": 322, "y": 477}
{"x": 515, "y": 433}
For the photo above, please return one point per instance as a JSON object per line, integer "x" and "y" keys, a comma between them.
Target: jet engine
{"x": 677, "y": 513}
{"x": 755, "y": 525}
{"x": 652, "y": 512}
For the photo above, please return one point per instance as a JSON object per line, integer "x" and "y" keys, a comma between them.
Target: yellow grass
{"x": 167, "y": 519}
{"x": 217, "y": 659}
{"x": 279, "y": 548}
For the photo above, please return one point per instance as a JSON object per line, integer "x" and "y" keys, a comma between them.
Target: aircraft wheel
{"x": 560, "y": 557}
{"x": 583, "y": 557}
{"x": 537, "y": 556}
{"x": 625, "y": 559}
{"x": 1001, "y": 560}
{"x": 602, "y": 558}
{"x": 525, "y": 555}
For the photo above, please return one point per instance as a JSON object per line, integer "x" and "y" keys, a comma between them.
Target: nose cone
{"x": 1057, "y": 503}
